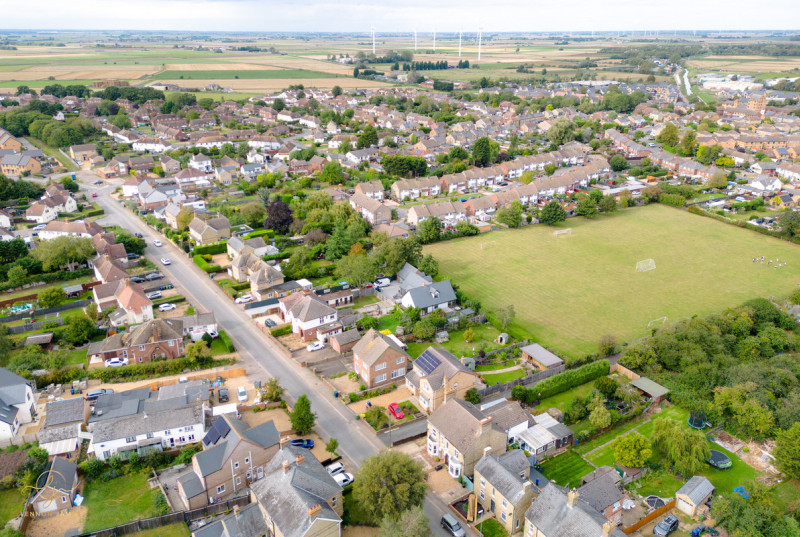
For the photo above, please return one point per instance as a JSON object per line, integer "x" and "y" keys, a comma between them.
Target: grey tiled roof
{"x": 60, "y": 474}
{"x": 508, "y": 414}
{"x": 602, "y": 492}
{"x": 66, "y": 411}
{"x": 553, "y": 517}
{"x": 459, "y": 422}
{"x": 138, "y": 424}
{"x": 191, "y": 485}
{"x": 432, "y": 295}
{"x": 697, "y": 488}
{"x": 503, "y": 473}
{"x": 542, "y": 355}
{"x": 248, "y": 523}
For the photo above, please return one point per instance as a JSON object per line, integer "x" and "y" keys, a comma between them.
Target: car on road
{"x": 138, "y": 235}
{"x": 451, "y": 526}
{"x": 244, "y": 299}
{"x": 116, "y": 362}
{"x": 94, "y": 194}
{"x": 156, "y": 242}
{"x": 137, "y": 279}
{"x": 269, "y": 323}
{"x": 241, "y": 393}
{"x": 381, "y": 282}
{"x": 316, "y": 346}
{"x": 98, "y": 182}
{"x": 335, "y": 468}
{"x": 154, "y": 295}
{"x": 666, "y": 526}
{"x": 167, "y": 307}
{"x": 165, "y": 261}
{"x": 343, "y": 479}
{"x": 303, "y": 442}
{"x": 222, "y": 395}
{"x": 154, "y": 276}
{"x": 39, "y": 227}
{"x": 396, "y": 411}
{"x": 94, "y": 394}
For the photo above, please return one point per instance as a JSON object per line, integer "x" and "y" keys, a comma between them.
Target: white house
{"x": 150, "y": 145}
{"x": 311, "y": 318}
{"x": 765, "y": 183}
{"x": 430, "y": 297}
{"x": 17, "y": 405}
{"x": 47, "y": 209}
{"x": 201, "y": 162}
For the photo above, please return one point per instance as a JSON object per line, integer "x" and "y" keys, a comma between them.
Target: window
{"x": 167, "y": 431}
{"x": 380, "y": 378}
{"x": 141, "y": 347}
{"x": 235, "y": 465}
{"x": 333, "y": 501}
{"x": 483, "y": 496}
{"x": 381, "y": 366}
{"x": 522, "y": 474}
{"x": 191, "y": 437}
{"x": 503, "y": 516}
{"x": 171, "y": 343}
{"x": 149, "y": 435}
{"x": 398, "y": 373}
{"x": 125, "y": 353}
{"x": 516, "y": 524}
{"x": 220, "y": 489}
{"x": 505, "y": 503}
{"x": 63, "y": 499}
{"x": 246, "y": 460}
{"x": 401, "y": 359}
{"x": 140, "y": 358}
{"x": 239, "y": 480}
{"x": 130, "y": 439}
{"x": 483, "y": 482}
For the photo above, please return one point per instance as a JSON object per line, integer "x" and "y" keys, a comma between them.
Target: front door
{"x": 446, "y": 459}
{"x": 491, "y": 508}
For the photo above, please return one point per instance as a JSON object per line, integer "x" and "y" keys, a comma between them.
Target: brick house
{"x": 604, "y": 494}
{"x": 154, "y": 340}
{"x": 211, "y": 230}
{"x": 83, "y": 153}
{"x": 56, "y": 487}
{"x": 437, "y": 376}
{"x": 378, "y": 360}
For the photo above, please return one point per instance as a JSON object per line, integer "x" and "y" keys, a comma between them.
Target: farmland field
{"x": 570, "y": 291}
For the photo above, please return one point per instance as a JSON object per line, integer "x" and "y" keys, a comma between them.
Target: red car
{"x": 396, "y": 411}
{"x": 94, "y": 194}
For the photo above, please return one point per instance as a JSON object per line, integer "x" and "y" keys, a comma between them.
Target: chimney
{"x": 572, "y": 497}
{"x": 284, "y": 441}
{"x": 607, "y": 528}
{"x": 486, "y": 450}
{"x": 525, "y": 486}
{"x": 463, "y": 361}
{"x": 299, "y": 460}
{"x": 285, "y": 466}
{"x": 236, "y": 511}
{"x": 313, "y": 511}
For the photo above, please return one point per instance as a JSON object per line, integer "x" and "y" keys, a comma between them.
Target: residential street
{"x": 255, "y": 348}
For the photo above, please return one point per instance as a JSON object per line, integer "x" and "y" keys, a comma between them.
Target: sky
{"x": 395, "y": 16}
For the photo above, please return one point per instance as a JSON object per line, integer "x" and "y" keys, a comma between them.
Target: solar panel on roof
{"x": 224, "y": 428}
{"x": 428, "y": 362}
{"x": 217, "y": 431}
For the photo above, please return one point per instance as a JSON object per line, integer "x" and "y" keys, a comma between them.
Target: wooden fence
{"x": 624, "y": 371}
{"x": 649, "y": 518}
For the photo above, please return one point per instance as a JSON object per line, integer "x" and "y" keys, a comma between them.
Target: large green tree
{"x": 389, "y": 484}
{"x": 482, "y": 152}
{"x": 368, "y": 137}
{"x": 412, "y": 523}
{"x": 787, "y": 451}
{"x": 562, "y": 131}
{"x": 668, "y": 135}
{"x": 63, "y": 251}
{"x": 302, "y": 418}
{"x": 510, "y": 216}
{"x": 52, "y": 297}
{"x": 632, "y": 450}
{"x": 552, "y": 213}
{"x": 686, "y": 450}
{"x": 430, "y": 230}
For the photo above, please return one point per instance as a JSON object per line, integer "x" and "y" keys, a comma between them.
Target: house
{"x": 557, "y": 513}
{"x": 373, "y": 189}
{"x": 345, "y": 341}
{"x": 430, "y": 297}
{"x": 61, "y": 429}
{"x": 247, "y": 521}
{"x": 503, "y": 486}
{"x": 201, "y": 163}
{"x": 211, "y": 230}
{"x": 510, "y": 417}
{"x": 693, "y": 495}
{"x": 83, "y": 153}
{"x": 56, "y": 487}
{"x": 546, "y": 436}
{"x": 237, "y": 246}
{"x": 650, "y": 389}
{"x": 298, "y": 498}
{"x": 159, "y": 339}
{"x": 448, "y": 212}
{"x": 762, "y": 184}
{"x": 604, "y": 495}
{"x": 460, "y": 434}
{"x": 378, "y": 360}
{"x": 17, "y": 405}
{"x": 108, "y": 270}
{"x": 234, "y": 455}
{"x": 47, "y": 209}
{"x": 437, "y": 376}
{"x": 263, "y": 277}
{"x": 133, "y": 306}
{"x": 414, "y": 188}
{"x": 20, "y": 164}
{"x": 7, "y": 141}
{"x": 78, "y": 228}
{"x": 311, "y": 318}
{"x": 540, "y": 357}
{"x": 371, "y": 209}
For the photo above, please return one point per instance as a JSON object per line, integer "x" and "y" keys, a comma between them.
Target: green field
{"x": 500, "y": 378}
{"x": 242, "y": 73}
{"x": 178, "y": 529}
{"x": 570, "y": 291}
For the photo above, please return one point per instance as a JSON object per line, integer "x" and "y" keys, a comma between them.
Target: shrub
{"x": 281, "y": 331}
{"x": 226, "y": 340}
{"x": 563, "y": 381}
{"x": 203, "y": 264}
{"x": 212, "y": 249}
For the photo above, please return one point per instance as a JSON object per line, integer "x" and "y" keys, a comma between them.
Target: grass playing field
{"x": 569, "y": 291}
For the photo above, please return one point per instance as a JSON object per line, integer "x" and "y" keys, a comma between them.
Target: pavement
{"x": 258, "y": 353}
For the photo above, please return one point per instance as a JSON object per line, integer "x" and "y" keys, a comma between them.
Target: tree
{"x": 561, "y": 132}
{"x": 79, "y": 330}
{"x": 346, "y": 147}
{"x": 599, "y": 416}
{"x": 608, "y": 204}
{"x": 198, "y": 352}
{"x": 357, "y": 269}
{"x": 506, "y": 315}
{"x": 336, "y": 91}
{"x": 510, "y": 216}
{"x": 755, "y": 517}
{"x": 586, "y": 207}
{"x": 465, "y": 229}
{"x": 388, "y": 484}
{"x": 331, "y": 446}
{"x": 17, "y": 275}
{"x": 331, "y": 173}
{"x": 185, "y": 216}
{"x": 132, "y": 244}
{"x": 429, "y": 266}
{"x": 430, "y": 230}
{"x": 412, "y": 523}
{"x": 69, "y": 250}
{"x": 552, "y": 213}
{"x": 91, "y": 311}
{"x": 482, "y": 152}
{"x": 607, "y": 386}
{"x": 668, "y": 135}
{"x": 717, "y": 180}
{"x": 632, "y": 450}
{"x": 424, "y": 329}
{"x": 52, "y": 297}
{"x": 689, "y": 143}
{"x": 368, "y": 137}
{"x": 302, "y": 418}
{"x": 472, "y": 396}
{"x": 790, "y": 224}
{"x": 279, "y": 217}
{"x": 787, "y": 451}
{"x": 254, "y": 212}
{"x": 469, "y": 335}
{"x": 607, "y": 345}
{"x": 278, "y": 105}
{"x": 272, "y": 390}
{"x": 618, "y": 163}
{"x": 687, "y": 451}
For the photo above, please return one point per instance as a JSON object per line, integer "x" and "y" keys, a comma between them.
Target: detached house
{"x": 56, "y": 487}
{"x": 201, "y": 163}
{"x": 211, "y": 230}
{"x": 311, "y": 318}
{"x": 154, "y": 340}
{"x": 502, "y": 483}
{"x": 378, "y": 360}
{"x": 17, "y": 405}
{"x": 430, "y": 297}
{"x": 437, "y": 376}
{"x": 371, "y": 209}
{"x": 460, "y": 434}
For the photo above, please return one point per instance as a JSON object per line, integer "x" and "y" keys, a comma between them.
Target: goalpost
{"x": 645, "y": 265}
{"x": 660, "y": 320}
{"x": 560, "y": 232}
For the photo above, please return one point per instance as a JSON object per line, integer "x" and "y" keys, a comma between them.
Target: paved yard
{"x": 278, "y": 415}
{"x": 58, "y": 525}
{"x": 400, "y": 394}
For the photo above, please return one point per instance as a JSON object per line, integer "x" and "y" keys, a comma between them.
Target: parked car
{"x": 241, "y": 393}
{"x": 39, "y": 227}
{"x": 269, "y": 323}
{"x": 316, "y": 346}
{"x": 94, "y": 394}
{"x": 137, "y": 279}
{"x": 138, "y": 235}
{"x": 154, "y": 276}
{"x": 94, "y": 194}
{"x": 343, "y": 479}
{"x": 303, "y": 442}
{"x": 156, "y": 242}
{"x": 165, "y": 287}
{"x": 396, "y": 411}
{"x": 244, "y": 299}
{"x": 222, "y": 395}
{"x": 131, "y": 255}
{"x": 335, "y": 468}
{"x": 116, "y": 362}
{"x": 381, "y": 282}
{"x": 154, "y": 295}
{"x": 165, "y": 261}
{"x": 212, "y": 333}
{"x": 451, "y": 526}
{"x": 98, "y": 182}
{"x": 666, "y": 526}
{"x": 167, "y": 307}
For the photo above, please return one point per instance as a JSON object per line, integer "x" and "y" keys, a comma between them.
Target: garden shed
{"x": 651, "y": 389}
{"x": 692, "y": 496}
{"x": 540, "y": 357}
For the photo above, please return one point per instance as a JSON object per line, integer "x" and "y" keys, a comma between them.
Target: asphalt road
{"x": 256, "y": 349}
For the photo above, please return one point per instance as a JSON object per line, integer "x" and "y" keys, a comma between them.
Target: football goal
{"x": 562, "y": 232}
{"x": 660, "y": 320}
{"x": 645, "y": 265}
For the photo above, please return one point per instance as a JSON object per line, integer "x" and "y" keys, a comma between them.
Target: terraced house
{"x": 504, "y": 489}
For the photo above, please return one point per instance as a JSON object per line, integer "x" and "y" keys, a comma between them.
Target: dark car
{"x": 303, "y": 442}
{"x": 451, "y": 526}
{"x": 269, "y": 323}
{"x": 167, "y": 286}
{"x": 138, "y": 235}
{"x": 94, "y": 394}
{"x": 666, "y": 526}
{"x": 131, "y": 255}
{"x": 154, "y": 276}
{"x": 137, "y": 279}
{"x": 223, "y": 395}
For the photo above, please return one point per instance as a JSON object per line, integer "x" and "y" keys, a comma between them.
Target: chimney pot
{"x": 486, "y": 450}
{"x": 236, "y": 510}
{"x": 607, "y": 527}
{"x": 285, "y": 466}
{"x": 299, "y": 460}
{"x": 314, "y": 510}
{"x": 572, "y": 497}
{"x": 284, "y": 442}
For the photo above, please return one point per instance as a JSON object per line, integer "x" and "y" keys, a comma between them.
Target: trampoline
{"x": 719, "y": 460}
{"x": 697, "y": 419}
{"x": 654, "y": 502}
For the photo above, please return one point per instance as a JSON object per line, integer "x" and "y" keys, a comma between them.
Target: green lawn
{"x": 737, "y": 475}
{"x": 562, "y": 400}
{"x": 55, "y": 153}
{"x": 484, "y": 336}
{"x": 178, "y": 529}
{"x": 491, "y": 528}
{"x": 500, "y": 378}
{"x": 364, "y": 301}
{"x": 607, "y": 436}
{"x": 562, "y": 288}
{"x": 495, "y": 367}
{"x": 117, "y": 501}
{"x": 389, "y": 322}
{"x": 658, "y": 482}
{"x": 11, "y": 504}
{"x": 76, "y": 356}
{"x": 602, "y": 457}
{"x": 786, "y": 495}
{"x": 566, "y": 469}
{"x": 673, "y": 413}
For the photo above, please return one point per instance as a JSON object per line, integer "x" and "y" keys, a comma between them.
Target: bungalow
{"x": 378, "y": 360}
{"x": 211, "y": 230}
{"x": 78, "y": 228}
{"x": 430, "y": 297}
{"x": 159, "y": 339}
{"x": 545, "y": 437}
{"x": 763, "y": 184}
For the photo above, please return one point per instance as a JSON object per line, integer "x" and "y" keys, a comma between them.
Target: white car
{"x": 167, "y": 307}
{"x": 241, "y": 393}
{"x": 343, "y": 479}
{"x": 165, "y": 261}
{"x": 154, "y": 295}
{"x": 335, "y": 468}
{"x": 316, "y": 346}
{"x": 116, "y": 362}
{"x": 244, "y": 299}
{"x": 39, "y": 227}
{"x": 156, "y": 242}
{"x": 381, "y": 282}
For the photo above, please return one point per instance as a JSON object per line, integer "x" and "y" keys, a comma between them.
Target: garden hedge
{"x": 203, "y": 264}
{"x": 213, "y": 249}
{"x": 564, "y": 381}
{"x": 260, "y": 233}
{"x": 226, "y": 340}
{"x": 282, "y": 331}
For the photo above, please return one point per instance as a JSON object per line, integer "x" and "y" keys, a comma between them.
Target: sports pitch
{"x": 569, "y": 291}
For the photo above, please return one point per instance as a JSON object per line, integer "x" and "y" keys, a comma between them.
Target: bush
{"x": 203, "y": 264}
{"x": 226, "y": 340}
{"x": 562, "y": 382}
{"x": 281, "y": 331}
{"x": 212, "y": 249}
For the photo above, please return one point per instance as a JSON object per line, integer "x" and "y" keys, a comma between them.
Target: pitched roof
{"x": 310, "y": 307}
{"x": 432, "y": 295}
{"x": 59, "y": 475}
{"x": 148, "y": 422}
{"x": 12, "y": 392}
{"x": 542, "y": 355}
{"x": 460, "y": 422}
{"x": 508, "y": 414}
{"x": 434, "y": 364}
{"x": 372, "y": 347}
{"x": 66, "y": 411}
{"x": 131, "y": 297}
{"x": 601, "y": 492}
{"x": 503, "y": 473}
{"x": 697, "y": 488}
{"x": 232, "y": 431}
{"x": 551, "y": 514}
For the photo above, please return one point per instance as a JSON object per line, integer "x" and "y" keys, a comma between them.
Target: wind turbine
{"x": 480, "y": 30}
{"x": 372, "y": 30}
